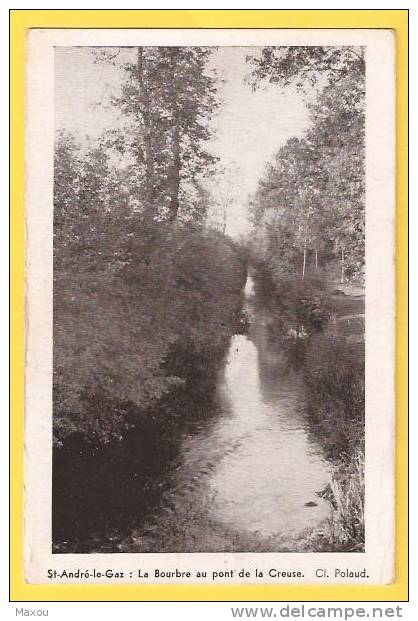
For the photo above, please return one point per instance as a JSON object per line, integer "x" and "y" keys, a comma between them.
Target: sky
{"x": 249, "y": 126}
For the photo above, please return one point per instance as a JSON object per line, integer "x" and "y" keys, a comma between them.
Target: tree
{"x": 222, "y": 191}
{"x": 308, "y": 66}
{"x": 168, "y": 97}
{"x": 290, "y": 189}
{"x": 319, "y": 180}
{"x": 67, "y": 171}
{"x": 139, "y": 307}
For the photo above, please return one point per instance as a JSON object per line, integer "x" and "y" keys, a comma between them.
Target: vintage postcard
{"x": 210, "y": 306}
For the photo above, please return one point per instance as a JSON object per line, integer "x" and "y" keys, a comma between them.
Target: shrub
{"x": 123, "y": 317}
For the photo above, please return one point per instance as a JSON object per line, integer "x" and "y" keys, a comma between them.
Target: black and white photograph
{"x": 209, "y": 365}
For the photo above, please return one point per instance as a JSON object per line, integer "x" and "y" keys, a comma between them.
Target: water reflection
{"x": 260, "y": 466}
{"x": 264, "y": 483}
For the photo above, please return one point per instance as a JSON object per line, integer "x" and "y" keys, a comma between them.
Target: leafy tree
{"x": 308, "y": 66}
{"x": 137, "y": 303}
{"x": 316, "y": 184}
{"x": 169, "y": 97}
{"x": 339, "y": 130}
{"x": 67, "y": 170}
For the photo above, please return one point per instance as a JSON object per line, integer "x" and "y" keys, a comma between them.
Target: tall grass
{"x": 334, "y": 371}
{"x": 343, "y": 531}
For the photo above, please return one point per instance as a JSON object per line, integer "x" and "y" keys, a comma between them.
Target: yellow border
{"x": 20, "y": 21}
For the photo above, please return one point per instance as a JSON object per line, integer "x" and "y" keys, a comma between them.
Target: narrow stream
{"x": 248, "y": 478}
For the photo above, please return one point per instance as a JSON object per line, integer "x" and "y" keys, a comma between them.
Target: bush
{"x": 123, "y": 319}
{"x": 141, "y": 324}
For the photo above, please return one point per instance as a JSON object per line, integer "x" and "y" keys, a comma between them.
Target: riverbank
{"x": 138, "y": 344}
{"x": 247, "y": 479}
{"x": 334, "y": 375}
{"x": 322, "y": 329}
{"x": 250, "y": 451}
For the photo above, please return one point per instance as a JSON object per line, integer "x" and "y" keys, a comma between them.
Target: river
{"x": 247, "y": 477}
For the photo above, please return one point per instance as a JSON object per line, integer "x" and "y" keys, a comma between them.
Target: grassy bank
{"x": 343, "y": 531}
{"x": 334, "y": 374}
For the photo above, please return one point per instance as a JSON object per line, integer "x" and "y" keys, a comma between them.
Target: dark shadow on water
{"x": 101, "y": 493}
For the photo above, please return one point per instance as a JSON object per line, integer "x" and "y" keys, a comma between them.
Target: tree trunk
{"x": 342, "y": 266}
{"x": 304, "y": 262}
{"x": 305, "y": 243}
{"x": 316, "y": 259}
{"x": 175, "y": 172}
{"x": 175, "y": 142}
{"x": 145, "y": 102}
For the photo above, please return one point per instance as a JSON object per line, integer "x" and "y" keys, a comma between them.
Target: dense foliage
{"x": 129, "y": 292}
{"x": 167, "y": 99}
{"x": 137, "y": 275}
{"x": 308, "y": 210}
{"x": 146, "y": 297}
